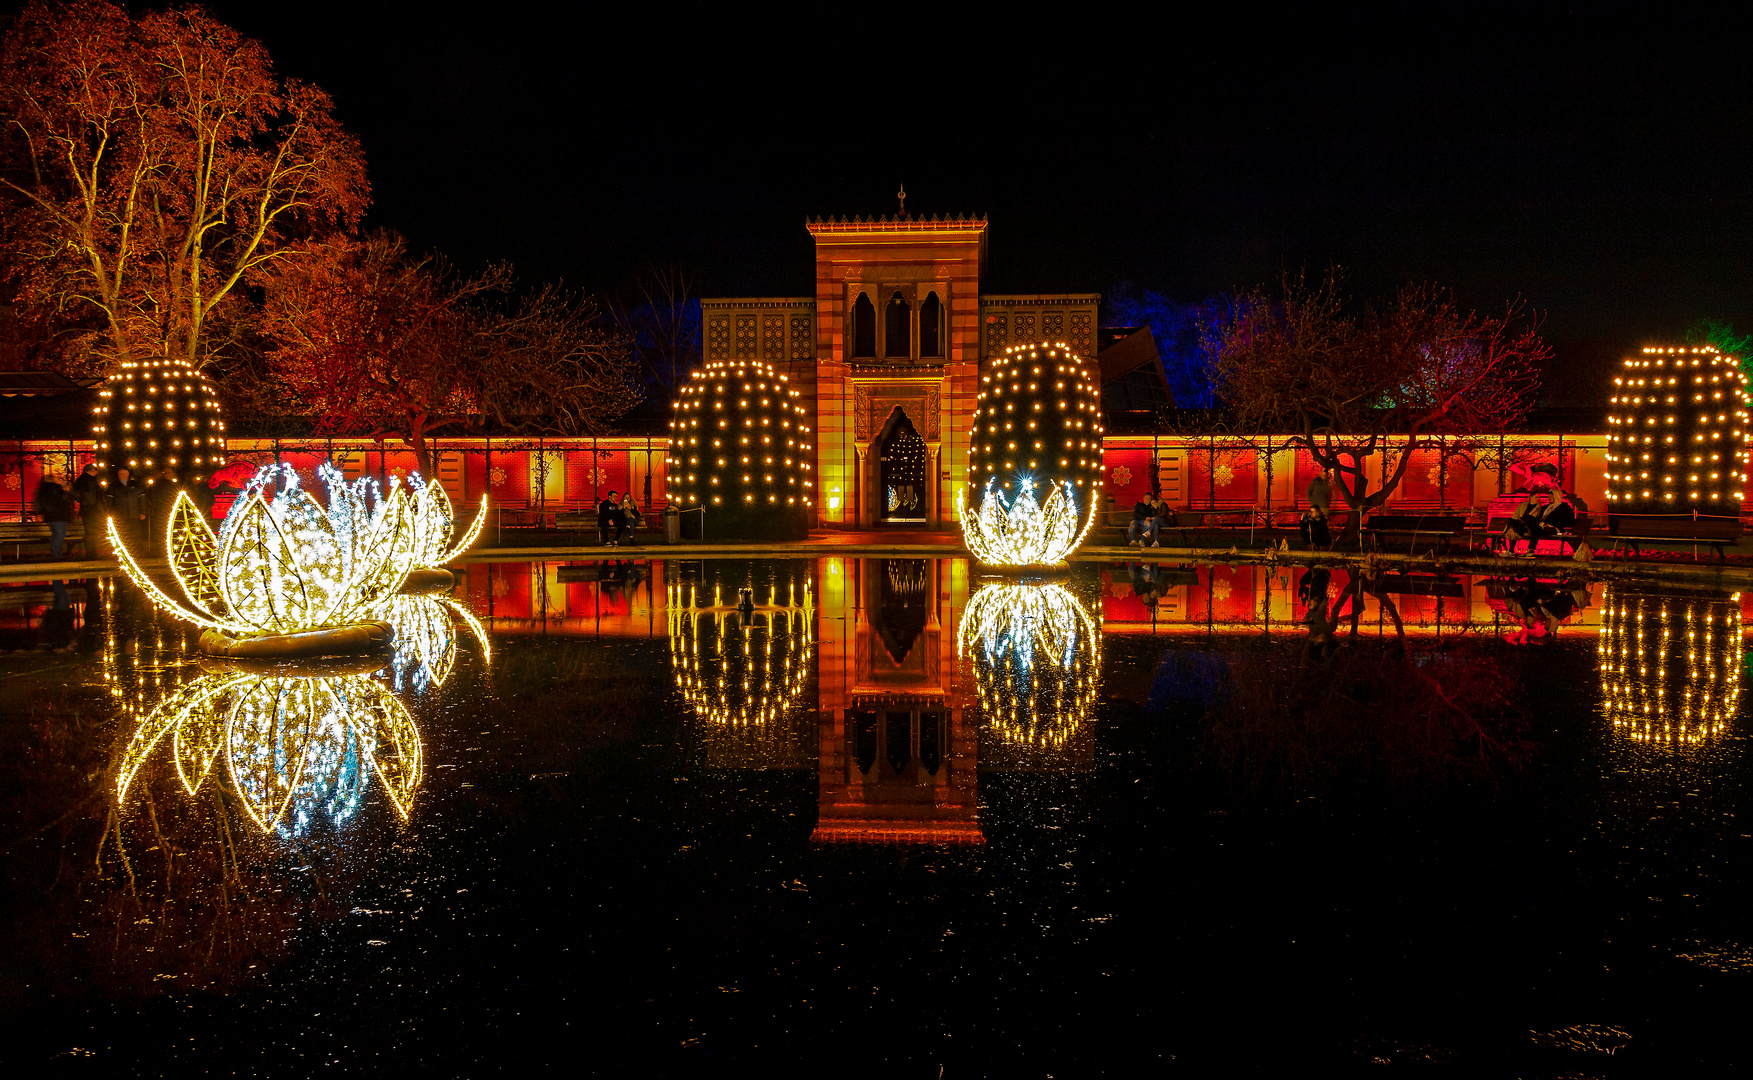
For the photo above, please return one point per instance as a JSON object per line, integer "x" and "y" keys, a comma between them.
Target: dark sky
{"x": 1597, "y": 165}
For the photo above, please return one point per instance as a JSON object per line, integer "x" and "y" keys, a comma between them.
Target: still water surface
{"x": 888, "y": 816}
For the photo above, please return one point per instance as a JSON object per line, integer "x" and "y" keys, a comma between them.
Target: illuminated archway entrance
{"x": 903, "y": 497}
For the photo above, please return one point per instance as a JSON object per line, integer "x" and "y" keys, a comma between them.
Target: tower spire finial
{"x": 902, "y": 195}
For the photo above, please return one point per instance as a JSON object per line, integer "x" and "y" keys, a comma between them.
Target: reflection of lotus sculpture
{"x": 1027, "y": 532}
{"x": 426, "y": 639}
{"x": 1670, "y": 665}
{"x": 290, "y": 565}
{"x": 297, "y": 748}
{"x": 1037, "y": 658}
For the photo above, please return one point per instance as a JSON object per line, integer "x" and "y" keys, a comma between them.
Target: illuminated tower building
{"x": 1677, "y": 432}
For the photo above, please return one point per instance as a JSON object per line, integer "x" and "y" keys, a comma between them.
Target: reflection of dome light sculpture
{"x": 1037, "y": 424}
{"x": 1037, "y": 658}
{"x": 1670, "y": 665}
{"x": 744, "y": 666}
{"x": 157, "y": 413}
{"x": 1677, "y": 435}
{"x": 290, "y": 565}
{"x": 297, "y": 748}
{"x": 742, "y": 452}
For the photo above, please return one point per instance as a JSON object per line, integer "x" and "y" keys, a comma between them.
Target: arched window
{"x": 897, "y": 341}
{"x": 931, "y": 326}
{"x": 864, "y": 327}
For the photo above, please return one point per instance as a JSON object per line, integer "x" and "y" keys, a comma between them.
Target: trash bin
{"x": 672, "y": 525}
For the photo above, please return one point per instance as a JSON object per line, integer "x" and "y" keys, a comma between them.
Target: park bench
{"x": 1503, "y": 508}
{"x": 585, "y": 521}
{"x": 20, "y": 533}
{"x": 1439, "y": 527}
{"x": 1687, "y": 528}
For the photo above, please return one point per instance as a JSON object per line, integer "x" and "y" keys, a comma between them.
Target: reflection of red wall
{"x": 1119, "y": 602}
{"x": 510, "y": 586}
{"x": 1127, "y": 473}
{"x": 1240, "y": 486}
{"x": 1224, "y": 594}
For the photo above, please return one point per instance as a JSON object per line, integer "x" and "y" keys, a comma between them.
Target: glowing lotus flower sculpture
{"x": 1027, "y": 532}
{"x": 1037, "y": 660}
{"x": 288, "y": 564}
{"x": 296, "y": 748}
{"x": 426, "y": 639}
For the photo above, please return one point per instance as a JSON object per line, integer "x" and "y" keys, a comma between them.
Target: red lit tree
{"x": 151, "y": 165}
{"x": 1349, "y": 383}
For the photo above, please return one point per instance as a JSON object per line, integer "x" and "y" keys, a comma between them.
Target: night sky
{"x": 1597, "y": 166}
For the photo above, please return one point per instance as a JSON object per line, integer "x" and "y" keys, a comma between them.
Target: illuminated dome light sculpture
{"x": 1037, "y": 655}
{"x": 157, "y": 413}
{"x": 1037, "y": 425}
{"x": 296, "y": 748}
{"x": 1670, "y": 665}
{"x": 744, "y": 666}
{"x": 288, "y": 577}
{"x": 1677, "y": 433}
{"x": 742, "y": 453}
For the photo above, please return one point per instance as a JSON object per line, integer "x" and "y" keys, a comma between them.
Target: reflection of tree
{"x": 1369, "y": 715}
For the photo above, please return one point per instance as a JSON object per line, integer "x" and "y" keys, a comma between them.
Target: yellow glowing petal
{"x": 194, "y": 556}
{"x": 168, "y": 716}
{"x": 198, "y": 739}
{"x": 268, "y": 737}
{"x": 387, "y": 736}
{"x": 432, "y": 524}
{"x": 316, "y": 552}
{"x": 382, "y": 561}
{"x": 468, "y": 539}
{"x": 474, "y": 626}
{"x": 424, "y": 634}
{"x": 259, "y": 573}
{"x": 157, "y": 595}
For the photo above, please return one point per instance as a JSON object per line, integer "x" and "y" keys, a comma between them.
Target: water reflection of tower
{"x": 896, "y": 763}
{"x": 742, "y": 646}
{"x": 1670, "y": 664}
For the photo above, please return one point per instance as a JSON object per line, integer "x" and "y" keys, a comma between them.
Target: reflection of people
{"x": 1145, "y": 585}
{"x": 1540, "y": 607}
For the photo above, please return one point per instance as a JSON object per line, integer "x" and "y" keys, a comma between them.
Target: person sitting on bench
{"x": 1146, "y": 515}
{"x": 1535, "y": 520}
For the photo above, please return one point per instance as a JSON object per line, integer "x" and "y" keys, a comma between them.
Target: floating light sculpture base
{"x": 429, "y": 581}
{"x": 356, "y": 639}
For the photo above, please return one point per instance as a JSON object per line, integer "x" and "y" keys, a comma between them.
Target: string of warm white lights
{"x": 1037, "y": 420}
{"x": 1037, "y": 661}
{"x": 741, "y": 667}
{"x": 741, "y": 441}
{"x": 157, "y": 413}
{"x": 1678, "y": 432}
{"x": 1670, "y": 665}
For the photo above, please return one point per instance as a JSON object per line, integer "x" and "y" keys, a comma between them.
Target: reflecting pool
{"x": 889, "y": 816}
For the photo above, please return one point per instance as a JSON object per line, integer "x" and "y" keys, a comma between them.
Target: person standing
{"x": 609, "y": 523}
{"x": 1316, "y": 527}
{"x": 127, "y": 508}
{"x": 88, "y": 489}
{"x": 55, "y": 504}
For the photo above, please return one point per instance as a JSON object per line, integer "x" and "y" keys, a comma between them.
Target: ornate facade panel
{"x": 773, "y": 337}
{"x": 1081, "y": 337}
{"x": 995, "y": 334}
{"x": 718, "y": 337}
{"x": 1052, "y": 326}
{"x": 803, "y": 339}
{"x": 932, "y": 402}
{"x": 745, "y": 339}
{"x": 861, "y": 412}
{"x": 1022, "y": 327}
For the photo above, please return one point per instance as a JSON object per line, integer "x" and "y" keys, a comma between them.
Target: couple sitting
{"x": 616, "y": 518}
{"x": 1547, "y": 511}
{"x": 1147, "y": 518}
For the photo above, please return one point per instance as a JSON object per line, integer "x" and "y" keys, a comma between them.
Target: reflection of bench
{"x": 20, "y": 533}
{"x": 1693, "y": 528}
{"x": 1411, "y": 526}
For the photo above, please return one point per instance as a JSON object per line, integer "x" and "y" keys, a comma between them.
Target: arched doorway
{"x": 902, "y": 495}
